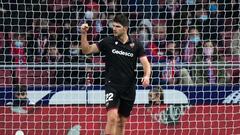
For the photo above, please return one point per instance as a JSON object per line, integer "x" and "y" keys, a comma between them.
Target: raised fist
{"x": 84, "y": 28}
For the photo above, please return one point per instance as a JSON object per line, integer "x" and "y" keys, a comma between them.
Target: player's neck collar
{"x": 128, "y": 41}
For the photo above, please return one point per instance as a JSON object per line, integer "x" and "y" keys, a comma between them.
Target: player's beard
{"x": 118, "y": 35}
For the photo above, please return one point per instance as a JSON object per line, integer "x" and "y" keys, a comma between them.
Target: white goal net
{"x": 49, "y": 87}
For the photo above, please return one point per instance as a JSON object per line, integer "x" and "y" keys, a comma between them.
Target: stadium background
{"x": 193, "y": 46}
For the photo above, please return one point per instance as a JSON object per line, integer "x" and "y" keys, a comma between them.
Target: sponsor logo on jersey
{"x": 132, "y": 45}
{"x": 114, "y": 51}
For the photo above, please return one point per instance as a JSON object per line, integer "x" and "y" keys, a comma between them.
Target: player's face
{"x": 118, "y": 29}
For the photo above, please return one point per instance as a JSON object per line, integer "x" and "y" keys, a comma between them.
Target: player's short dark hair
{"x": 122, "y": 19}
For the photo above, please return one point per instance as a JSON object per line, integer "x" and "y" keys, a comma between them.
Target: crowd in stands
{"x": 188, "y": 41}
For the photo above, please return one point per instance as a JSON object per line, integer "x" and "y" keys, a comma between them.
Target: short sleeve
{"x": 140, "y": 51}
{"x": 102, "y": 45}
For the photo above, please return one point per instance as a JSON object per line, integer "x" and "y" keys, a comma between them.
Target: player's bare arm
{"x": 86, "y": 48}
{"x": 147, "y": 71}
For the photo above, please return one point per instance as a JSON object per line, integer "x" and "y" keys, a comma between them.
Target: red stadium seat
{"x": 234, "y": 73}
{"x": 58, "y": 4}
{"x": 5, "y": 77}
{"x": 232, "y": 59}
{"x": 227, "y": 35}
{"x": 34, "y": 77}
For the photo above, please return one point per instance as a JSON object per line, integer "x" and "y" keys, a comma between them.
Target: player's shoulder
{"x": 136, "y": 42}
{"x": 107, "y": 39}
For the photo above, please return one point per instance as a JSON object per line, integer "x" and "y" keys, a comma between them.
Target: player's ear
{"x": 125, "y": 28}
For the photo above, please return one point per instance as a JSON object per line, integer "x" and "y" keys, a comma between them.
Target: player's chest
{"x": 121, "y": 50}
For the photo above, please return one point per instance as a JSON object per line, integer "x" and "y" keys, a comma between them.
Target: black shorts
{"x": 120, "y": 97}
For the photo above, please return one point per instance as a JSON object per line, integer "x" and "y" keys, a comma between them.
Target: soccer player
{"x": 121, "y": 54}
